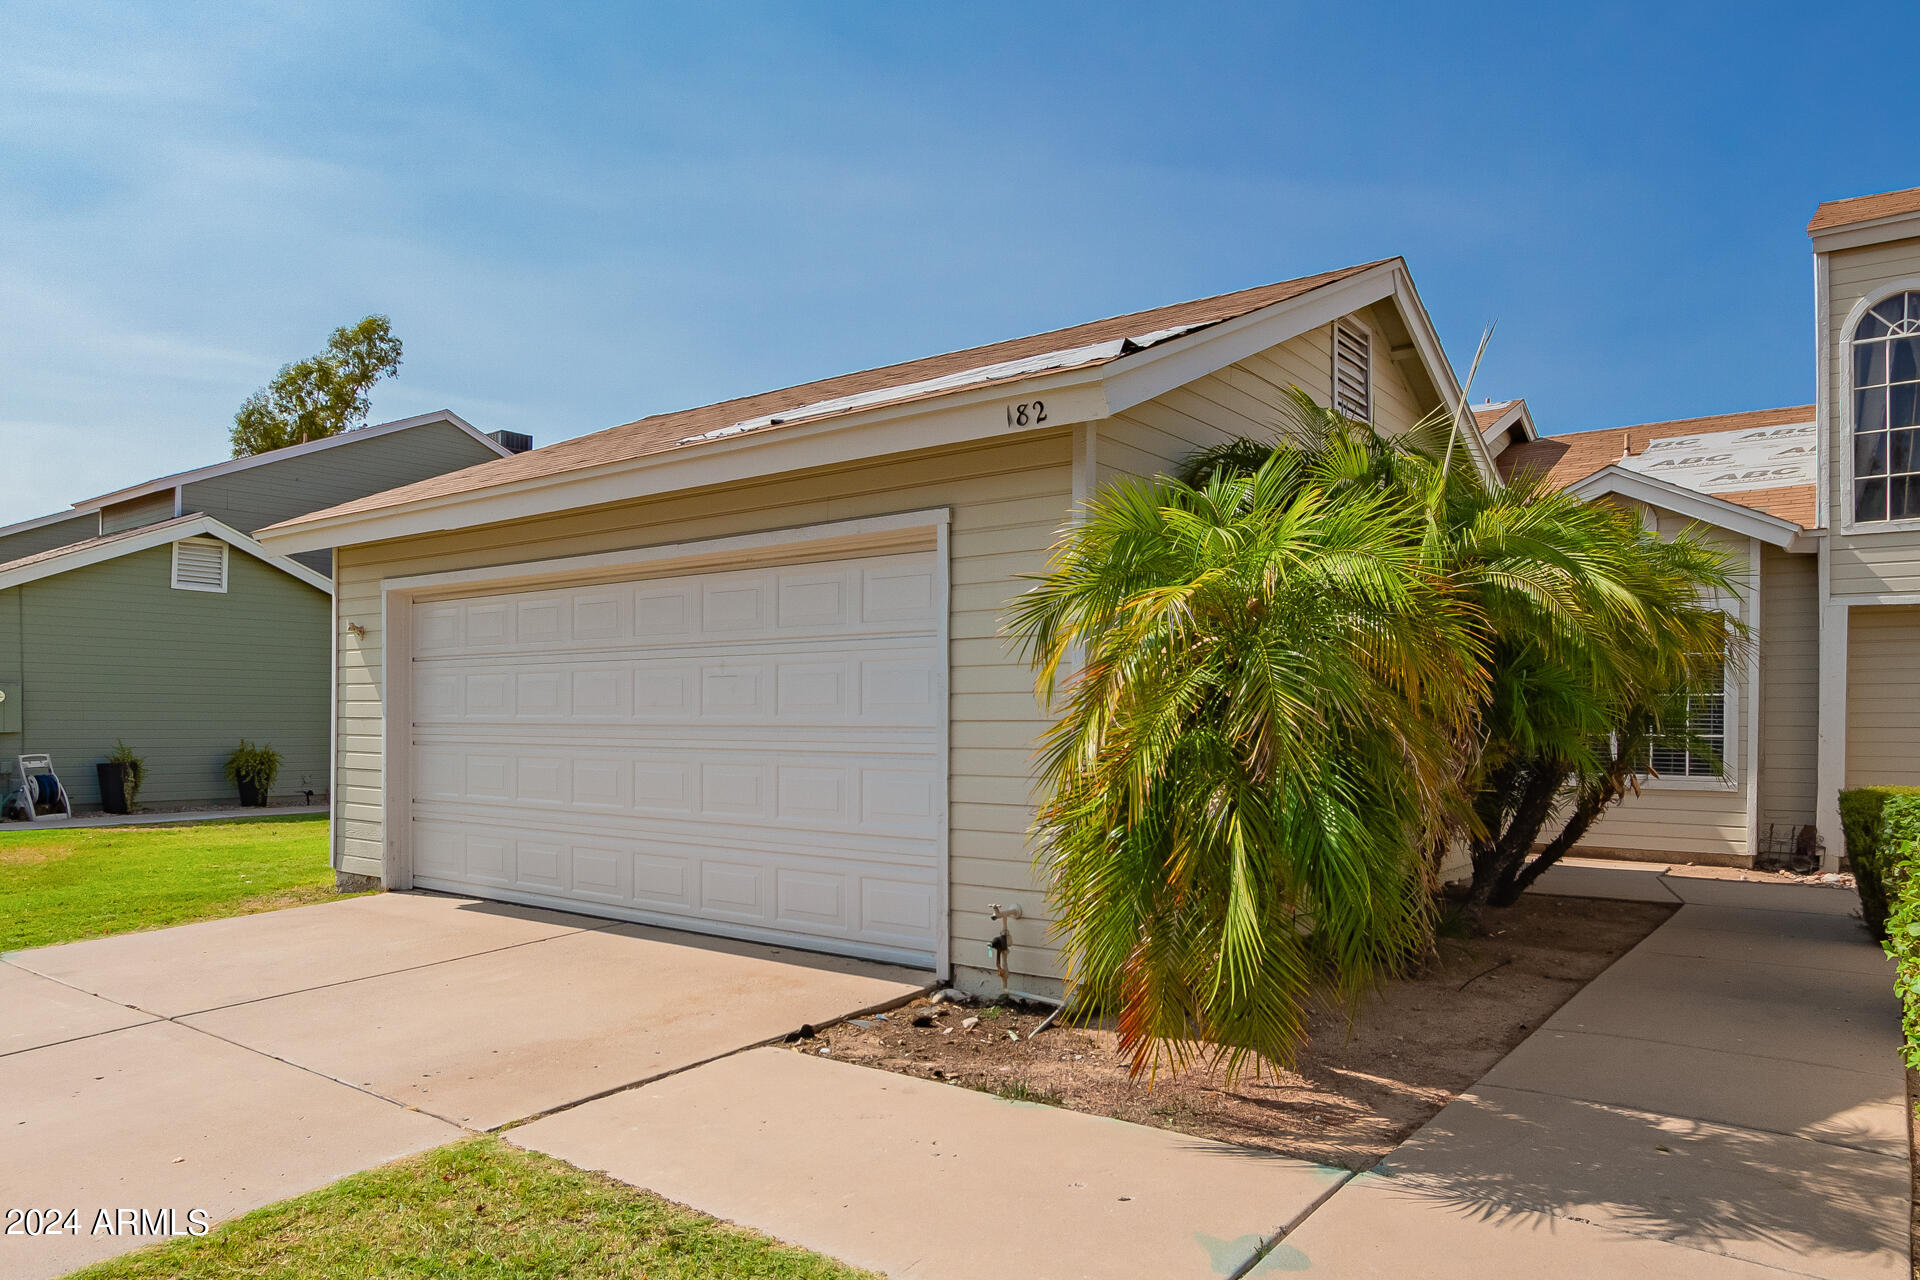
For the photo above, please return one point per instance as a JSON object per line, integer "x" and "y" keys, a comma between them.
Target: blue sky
{"x": 577, "y": 218}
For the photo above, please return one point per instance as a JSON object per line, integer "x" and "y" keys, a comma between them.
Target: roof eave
{"x": 1867, "y": 231}
{"x": 1702, "y": 507}
{"x": 158, "y": 535}
{"x": 358, "y": 435}
{"x": 1082, "y": 394}
{"x": 1072, "y": 396}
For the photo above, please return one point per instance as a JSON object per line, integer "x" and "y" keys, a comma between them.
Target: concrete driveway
{"x": 226, "y": 1065}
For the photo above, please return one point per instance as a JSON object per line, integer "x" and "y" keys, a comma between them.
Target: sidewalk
{"x": 163, "y": 819}
{"x": 1724, "y": 1101}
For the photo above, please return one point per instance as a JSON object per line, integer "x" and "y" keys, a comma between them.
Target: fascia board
{"x": 1434, "y": 357}
{"x": 1139, "y": 378}
{"x": 160, "y": 535}
{"x": 1702, "y": 507}
{"x": 1859, "y": 235}
{"x": 1072, "y": 396}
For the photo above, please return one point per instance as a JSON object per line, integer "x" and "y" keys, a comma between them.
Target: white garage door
{"x": 753, "y": 752}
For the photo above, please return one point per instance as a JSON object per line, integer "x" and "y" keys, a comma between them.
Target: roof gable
{"x": 112, "y": 546}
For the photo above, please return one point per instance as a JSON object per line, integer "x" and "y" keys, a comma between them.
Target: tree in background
{"x": 322, "y": 395}
{"x": 1293, "y": 676}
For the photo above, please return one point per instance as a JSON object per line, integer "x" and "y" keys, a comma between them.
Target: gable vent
{"x": 1352, "y": 371}
{"x": 200, "y": 564}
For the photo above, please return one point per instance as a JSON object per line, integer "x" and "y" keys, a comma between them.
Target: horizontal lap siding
{"x": 1883, "y": 696}
{"x": 112, "y": 651}
{"x": 1691, "y": 820}
{"x": 1863, "y": 562}
{"x": 1008, "y": 502}
{"x": 1683, "y": 822}
{"x": 1876, "y": 564}
{"x": 1247, "y": 399}
{"x": 61, "y": 533}
{"x": 1789, "y": 657}
{"x": 137, "y": 513}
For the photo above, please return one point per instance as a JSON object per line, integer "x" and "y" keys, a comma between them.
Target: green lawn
{"x": 60, "y": 886}
{"x": 477, "y": 1208}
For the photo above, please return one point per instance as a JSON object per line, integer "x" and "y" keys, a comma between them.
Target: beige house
{"x": 1820, "y": 506}
{"x": 739, "y": 668}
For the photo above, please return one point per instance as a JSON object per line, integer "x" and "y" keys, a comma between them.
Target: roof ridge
{"x": 1677, "y": 422}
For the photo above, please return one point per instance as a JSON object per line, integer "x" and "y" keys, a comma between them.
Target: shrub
{"x": 1862, "y": 818}
{"x": 253, "y": 766}
{"x": 136, "y": 768}
{"x": 1900, "y": 862}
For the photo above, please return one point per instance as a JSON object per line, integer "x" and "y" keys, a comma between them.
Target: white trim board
{"x": 792, "y": 545}
{"x": 146, "y": 537}
{"x": 1858, "y": 235}
{"x": 871, "y": 533}
{"x": 1705, "y": 508}
{"x": 1514, "y": 413}
{"x": 965, "y": 416}
{"x": 1843, "y": 346}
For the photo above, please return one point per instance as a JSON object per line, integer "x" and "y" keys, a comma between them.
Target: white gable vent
{"x": 1352, "y": 371}
{"x": 200, "y": 564}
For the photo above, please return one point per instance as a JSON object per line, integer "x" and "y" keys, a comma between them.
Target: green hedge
{"x": 1900, "y": 866}
{"x": 1862, "y": 818}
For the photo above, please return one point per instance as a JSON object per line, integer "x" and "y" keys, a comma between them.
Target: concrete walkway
{"x": 1725, "y": 1101}
{"x": 224, "y": 1065}
{"x": 163, "y": 819}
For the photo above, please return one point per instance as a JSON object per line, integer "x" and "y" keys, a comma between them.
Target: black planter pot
{"x": 113, "y": 787}
{"x": 252, "y": 796}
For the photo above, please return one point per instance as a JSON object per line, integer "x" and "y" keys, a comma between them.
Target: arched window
{"x": 1886, "y": 411}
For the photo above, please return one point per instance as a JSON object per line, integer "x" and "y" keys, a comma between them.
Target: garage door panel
{"x": 878, "y": 904}
{"x": 754, "y": 748}
{"x": 847, "y": 794}
{"x": 785, "y": 837}
{"x": 890, "y": 686}
{"x": 856, "y": 598}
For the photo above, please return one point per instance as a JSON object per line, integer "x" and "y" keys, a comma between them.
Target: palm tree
{"x": 1579, "y": 696}
{"x": 1257, "y": 741}
{"x": 1291, "y": 675}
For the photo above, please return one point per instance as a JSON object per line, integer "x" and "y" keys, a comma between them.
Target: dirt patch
{"x": 1360, "y": 1088}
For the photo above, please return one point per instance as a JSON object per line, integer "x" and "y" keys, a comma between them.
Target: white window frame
{"x": 1365, "y": 331}
{"x": 1733, "y": 709}
{"x": 225, "y": 553}
{"x": 1842, "y": 347}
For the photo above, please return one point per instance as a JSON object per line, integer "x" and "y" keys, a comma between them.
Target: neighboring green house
{"x": 150, "y": 615}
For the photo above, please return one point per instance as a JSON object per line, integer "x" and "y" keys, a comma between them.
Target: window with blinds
{"x": 1352, "y": 371}
{"x": 1701, "y": 751}
{"x": 200, "y": 564}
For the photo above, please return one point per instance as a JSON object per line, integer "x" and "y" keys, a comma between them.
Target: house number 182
{"x": 1031, "y": 413}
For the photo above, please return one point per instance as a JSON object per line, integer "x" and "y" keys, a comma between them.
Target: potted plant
{"x": 253, "y": 769}
{"x": 120, "y": 777}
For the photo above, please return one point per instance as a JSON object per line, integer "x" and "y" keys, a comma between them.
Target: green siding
{"x": 61, "y": 533}
{"x": 267, "y": 494}
{"x": 113, "y": 651}
{"x": 132, "y": 514}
